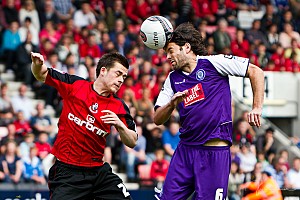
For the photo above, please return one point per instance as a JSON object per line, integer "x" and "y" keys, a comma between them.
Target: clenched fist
{"x": 37, "y": 59}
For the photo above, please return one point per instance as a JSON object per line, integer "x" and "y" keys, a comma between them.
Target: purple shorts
{"x": 203, "y": 169}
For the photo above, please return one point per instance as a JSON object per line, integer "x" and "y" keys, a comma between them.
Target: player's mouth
{"x": 118, "y": 86}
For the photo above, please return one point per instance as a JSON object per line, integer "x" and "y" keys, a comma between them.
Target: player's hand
{"x": 178, "y": 97}
{"x": 254, "y": 117}
{"x": 111, "y": 118}
{"x": 37, "y": 59}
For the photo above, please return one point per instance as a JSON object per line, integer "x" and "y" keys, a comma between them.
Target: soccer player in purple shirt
{"x": 199, "y": 88}
{"x": 89, "y": 111}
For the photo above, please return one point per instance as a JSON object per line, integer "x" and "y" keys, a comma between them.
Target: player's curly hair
{"x": 109, "y": 59}
{"x": 186, "y": 33}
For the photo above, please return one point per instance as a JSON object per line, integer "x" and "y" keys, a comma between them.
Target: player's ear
{"x": 188, "y": 47}
{"x": 103, "y": 71}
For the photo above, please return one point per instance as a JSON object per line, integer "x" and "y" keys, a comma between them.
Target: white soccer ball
{"x": 156, "y": 31}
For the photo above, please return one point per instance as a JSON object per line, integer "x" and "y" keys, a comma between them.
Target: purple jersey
{"x": 205, "y": 113}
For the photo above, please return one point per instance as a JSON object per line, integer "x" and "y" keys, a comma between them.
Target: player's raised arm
{"x": 256, "y": 77}
{"x": 38, "y": 67}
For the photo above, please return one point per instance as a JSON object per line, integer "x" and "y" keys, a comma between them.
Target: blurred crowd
{"x": 73, "y": 34}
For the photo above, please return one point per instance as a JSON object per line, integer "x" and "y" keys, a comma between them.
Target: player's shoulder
{"x": 222, "y": 58}
{"x": 64, "y": 77}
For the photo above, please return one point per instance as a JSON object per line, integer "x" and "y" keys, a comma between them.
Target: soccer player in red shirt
{"x": 89, "y": 111}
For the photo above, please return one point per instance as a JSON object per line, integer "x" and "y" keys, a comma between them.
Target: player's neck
{"x": 98, "y": 87}
{"x": 190, "y": 65}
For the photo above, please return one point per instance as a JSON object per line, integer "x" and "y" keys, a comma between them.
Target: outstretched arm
{"x": 38, "y": 67}
{"x": 257, "y": 80}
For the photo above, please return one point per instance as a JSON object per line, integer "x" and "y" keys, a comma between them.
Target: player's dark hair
{"x": 186, "y": 33}
{"x": 108, "y": 60}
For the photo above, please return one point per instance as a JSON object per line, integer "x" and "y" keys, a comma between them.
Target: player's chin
{"x": 114, "y": 89}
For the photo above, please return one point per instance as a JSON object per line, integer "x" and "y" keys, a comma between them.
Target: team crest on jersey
{"x": 200, "y": 74}
{"x": 94, "y": 108}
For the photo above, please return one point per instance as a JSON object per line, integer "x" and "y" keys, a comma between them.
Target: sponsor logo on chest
{"x": 88, "y": 124}
{"x": 195, "y": 94}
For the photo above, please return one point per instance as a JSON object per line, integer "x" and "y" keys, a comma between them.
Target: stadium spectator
{"x": 65, "y": 46}
{"x": 12, "y": 163}
{"x": 153, "y": 135}
{"x": 43, "y": 146}
{"x": 28, "y": 27}
{"x": 185, "y": 12}
{"x": 133, "y": 157}
{"x": 284, "y": 153}
{"x": 272, "y": 37}
{"x": 10, "y": 42}
{"x": 70, "y": 29}
{"x": 228, "y": 11}
{"x": 261, "y": 158}
{"x": 241, "y": 133}
{"x": 278, "y": 171}
{"x": 269, "y": 18}
{"x": 266, "y": 143}
{"x": 254, "y": 35}
{"x": 292, "y": 64}
{"x": 11, "y": 136}
{"x": 262, "y": 55}
{"x": 22, "y": 102}
{"x": 53, "y": 61}
{"x": 114, "y": 13}
{"x": 248, "y": 158}
{"x": 5, "y": 101}
{"x": 22, "y": 125}
{"x": 83, "y": 68}
{"x": 25, "y": 145}
{"x": 28, "y": 10}
{"x": 278, "y": 58}
{"x": 137, "y": 10}
{"x": 50, "y": 33}
{"x": 287, "y": 17}
{"x": 32, "y": 171}
{"x": 120, "y": 44}
{"x": 23, "y": 72}
{"x": 145, "y": 107}
{"x": 271, "y": 66}
{"x": 235, "y": 180}
{"x": 48, "y": 12}
{"x": 266, "y": 188}
{"x": 294, "y": 174}
{"x": 286, "y": 36}
{"x": 294, "y": 50}
{"x": 170, "y": 139}
{"x": 205, "y": 9}
{"x": 118, "y": 28}
{"x": 64, "y": 9}
{"x": 240, "y": 46}
{"x": 90, "y": 48}
{"x": 84, "y": 17}
{"x": 9, "y": 13}
{"x": 70, "y": 65}
{"x": 41, "y": 122}
{"x": 158, "y": 58}
{"x": 159, "y": 168}
{"x": 129, "y": 98}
